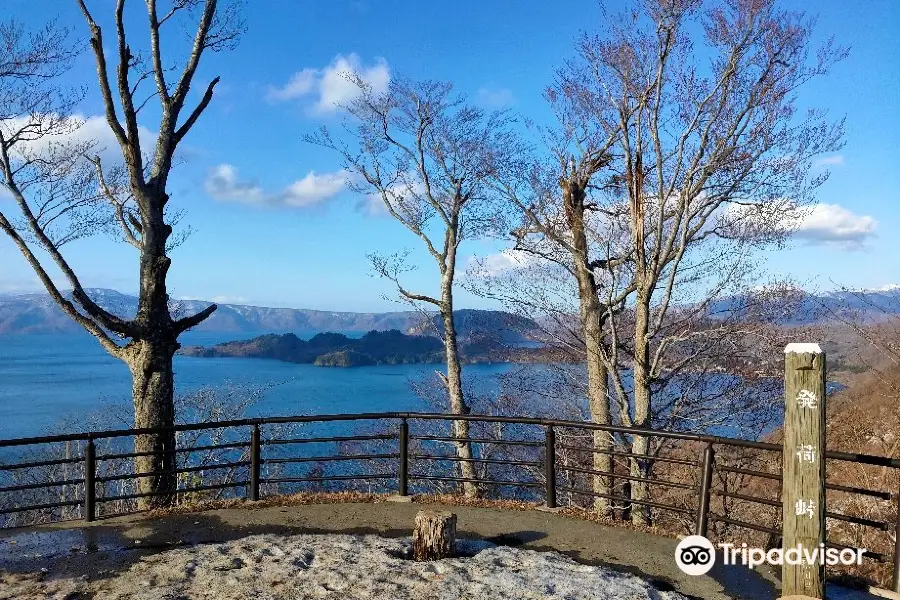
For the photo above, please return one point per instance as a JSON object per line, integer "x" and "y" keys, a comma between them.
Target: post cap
{"x": 802, "y": 349}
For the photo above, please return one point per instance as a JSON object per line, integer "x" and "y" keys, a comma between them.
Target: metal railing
{"x": 547, "y": 438}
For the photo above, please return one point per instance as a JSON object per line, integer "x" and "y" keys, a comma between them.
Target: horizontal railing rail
{"x": 860, "y": 458}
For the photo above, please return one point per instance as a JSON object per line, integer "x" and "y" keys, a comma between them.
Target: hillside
{"x": 37, "y": 313}
{"x": 491, "y": 325}
{"x": 337, "y": 350}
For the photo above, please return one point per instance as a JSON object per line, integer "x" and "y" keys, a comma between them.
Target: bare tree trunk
{"x": 453, "y": 381}
{"x": 598, "y": 400}
{"x": 640, "y": 467}
{"x": 150, "y": 359}
{"x": 592, "y": 325}
{"x": 154, "y": 407}
{"x": 598, "y": 403}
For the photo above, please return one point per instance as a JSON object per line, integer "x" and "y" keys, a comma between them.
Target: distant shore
{"x": 374, "y": 348}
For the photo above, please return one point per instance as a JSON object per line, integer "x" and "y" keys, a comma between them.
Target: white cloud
{"x": 90, "y": 133}
{"x": 373, "y": 204}
{"x": 97, "y": 128}
{"x": 828, "y": 161}
{"x": 820, "y": 224}
{"x": 834, "y": 224}
{"x": 81, "y": 129}
{"x": 301, "y": 83}
{"x": 406, "y": 191}
{"x": 222, "y": 183}
{"x": 499, "y": 263}
{"x": 330, "y": 86}
{"x": 494, "y": 97}
{"x": 313, "y": 189}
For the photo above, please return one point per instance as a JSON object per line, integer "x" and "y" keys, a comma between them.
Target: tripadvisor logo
{"x": 696, "y": 555}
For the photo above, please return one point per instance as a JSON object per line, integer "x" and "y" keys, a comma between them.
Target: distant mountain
{"x": 37, "y": 313}
{"x": 807, "y": 308}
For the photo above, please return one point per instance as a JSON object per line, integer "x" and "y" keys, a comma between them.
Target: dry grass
{"x": 297, "y": 499}
{"x": 459, "y": 500}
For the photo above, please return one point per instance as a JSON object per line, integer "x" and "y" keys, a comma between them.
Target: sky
{"x": 272, "y": 222}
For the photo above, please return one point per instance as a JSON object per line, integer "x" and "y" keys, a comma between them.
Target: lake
{"x": 52, "y": 383}
{"x": 46, "y": 380}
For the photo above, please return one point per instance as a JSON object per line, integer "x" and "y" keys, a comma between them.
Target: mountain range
{"x": 24, "y": 313}
{"x": 865, "y": 305}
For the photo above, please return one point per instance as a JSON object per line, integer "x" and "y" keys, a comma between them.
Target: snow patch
{"x": 274, "y": 567}
{"x": 802, "y": 348}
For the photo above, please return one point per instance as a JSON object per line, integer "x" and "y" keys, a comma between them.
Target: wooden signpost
{"x": 803, "y": 467}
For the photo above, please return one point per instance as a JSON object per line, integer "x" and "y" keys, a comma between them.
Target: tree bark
{"x": 150, "y": 362}
{"x": 598, "y": 403}
{"x": 149, "y": 356}
{"x": 640, "y": 445}
{"x": 434, "y": 536}
{"x": 591, "y": 313}
{"x": 455, "y": 394}
{"x": 644, "y": 279}
{"x": 598, "y": 400}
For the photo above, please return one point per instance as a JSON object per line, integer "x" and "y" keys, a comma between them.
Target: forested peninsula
{"x": 374, "y": 348}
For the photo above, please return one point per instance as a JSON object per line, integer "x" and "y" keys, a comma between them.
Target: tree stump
{"x": 434, "y": 535}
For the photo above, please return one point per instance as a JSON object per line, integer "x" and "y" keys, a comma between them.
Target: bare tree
{"x": 43, "y": 167}
{"x": 707, "y": 162}
{"x": 553, "y": 199}
{"x": 662, "y": 180}
{"x": 428, "y": 157}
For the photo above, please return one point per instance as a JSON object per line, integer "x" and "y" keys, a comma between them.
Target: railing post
{"x": 803, "y": 467}
{"x": 403, "y": 474}
{"x": 896, "y": 578}
{"x": 550, "y": 467}
{"x": 90, "y": 472}
{"x": 709, "y": 458}
{"x": 254, "y": 463}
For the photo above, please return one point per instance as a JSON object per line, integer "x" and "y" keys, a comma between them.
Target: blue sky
{"x": 271, "y": 226}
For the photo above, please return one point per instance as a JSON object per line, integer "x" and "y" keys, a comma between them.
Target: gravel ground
{"x": 275, "y": 567}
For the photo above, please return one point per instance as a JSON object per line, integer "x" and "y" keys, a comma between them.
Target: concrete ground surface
{"x": 106, "y": 547}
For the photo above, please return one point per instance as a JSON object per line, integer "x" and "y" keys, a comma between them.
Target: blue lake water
{"x": 55, "y": 383}
{"x": 46, "y": 380}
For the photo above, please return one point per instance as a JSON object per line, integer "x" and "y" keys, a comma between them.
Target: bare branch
{"x": 103, "y": 78}
{"x": 186, "y": 323}
{"x": 85, "y": 321}
{"x": 198, "y": 110}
